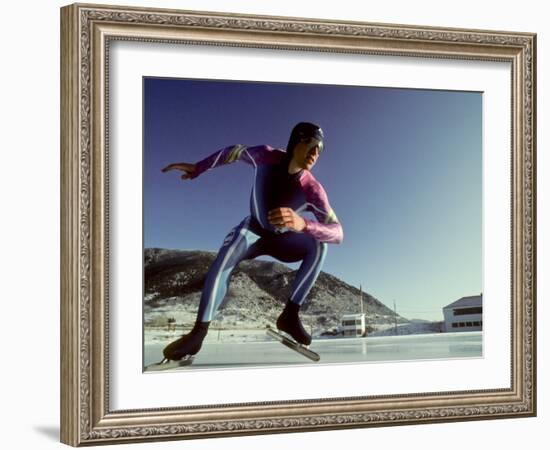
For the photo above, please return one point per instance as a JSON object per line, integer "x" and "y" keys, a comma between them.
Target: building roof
{"x": 465, "y": 302}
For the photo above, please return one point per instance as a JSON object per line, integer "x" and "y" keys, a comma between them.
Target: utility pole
{"x": 363, "y": 318}
{"x": 395, "y": 317}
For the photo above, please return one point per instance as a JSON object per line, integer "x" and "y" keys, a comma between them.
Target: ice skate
{"x": 289, "y": 322}
{"x": 188, "y": 345}
{"x": 167, "y": 364}
{"x": 293, "y": 345}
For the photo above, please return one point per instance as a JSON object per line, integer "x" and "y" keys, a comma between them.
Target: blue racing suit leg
{"x": 294, "y": 247}
{"x": 243, "y": 243}
{"x": 234, "y": 249}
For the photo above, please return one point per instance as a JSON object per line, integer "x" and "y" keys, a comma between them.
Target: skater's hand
{"x": 286, "y": 218}
{"x": 188, "y": 168}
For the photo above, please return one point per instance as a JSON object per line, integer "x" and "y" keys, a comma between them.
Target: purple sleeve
{"x": 327, "y": 228}
{"x": 330, "y": 233}
{"x": 255, "y": 156}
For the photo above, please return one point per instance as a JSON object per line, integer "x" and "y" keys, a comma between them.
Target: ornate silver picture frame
{"x": 88, "y": 416}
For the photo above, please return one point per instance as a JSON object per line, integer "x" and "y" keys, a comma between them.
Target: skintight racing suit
{"x": 273, "y": 188}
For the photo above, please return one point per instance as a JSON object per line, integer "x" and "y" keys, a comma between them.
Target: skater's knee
{"x": 321, "y": 253}
{"x": 316, "y": 248}
{"x": 322, "y": 248}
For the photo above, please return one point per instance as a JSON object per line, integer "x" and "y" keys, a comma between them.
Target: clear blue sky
{"x": 402, "y": 169}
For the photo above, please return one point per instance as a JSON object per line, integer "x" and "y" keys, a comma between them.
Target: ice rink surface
{"x": 220, "y": 354}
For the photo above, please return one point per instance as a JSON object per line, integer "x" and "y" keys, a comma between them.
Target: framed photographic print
{"x": 285, "y": 224}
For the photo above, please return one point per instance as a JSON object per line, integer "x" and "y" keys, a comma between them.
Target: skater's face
{"x": 307, "y": 152}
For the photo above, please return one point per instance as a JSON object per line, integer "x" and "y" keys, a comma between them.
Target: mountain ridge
{"x": 173, "y": 280}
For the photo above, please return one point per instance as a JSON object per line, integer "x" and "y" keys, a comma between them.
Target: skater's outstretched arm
{"x": 255, "y": 156}
{"x": 188, "y": 169}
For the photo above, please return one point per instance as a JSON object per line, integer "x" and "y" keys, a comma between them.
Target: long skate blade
{"x": 299, "y": 348}
{"x": 167, "y": 364}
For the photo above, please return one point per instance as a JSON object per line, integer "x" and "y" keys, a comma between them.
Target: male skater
{"x": 283, "y": 187}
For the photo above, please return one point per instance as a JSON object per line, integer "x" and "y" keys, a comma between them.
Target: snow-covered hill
{"x": 258, "y": 291}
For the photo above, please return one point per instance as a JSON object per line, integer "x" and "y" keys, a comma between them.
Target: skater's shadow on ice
{"x": 48, "y": 431}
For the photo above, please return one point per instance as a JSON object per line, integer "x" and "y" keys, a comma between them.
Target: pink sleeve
{"x": 327, "y": 228}
{"x": 330, "y": 233}
{"x": 255, "y": 156}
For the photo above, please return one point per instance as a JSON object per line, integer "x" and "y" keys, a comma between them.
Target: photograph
{"x": 343, "y": 222}
{"x": 280, "y": 224}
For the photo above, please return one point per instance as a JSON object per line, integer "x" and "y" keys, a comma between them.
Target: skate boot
{"x": 289, "y": 322}
{"x": 187, "y": 345}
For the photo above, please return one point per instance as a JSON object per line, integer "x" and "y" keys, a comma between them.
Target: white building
{"x": 353, "y": 325}
{"x": 466, "y": 314}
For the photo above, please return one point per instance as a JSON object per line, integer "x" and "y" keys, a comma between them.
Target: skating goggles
{"x": 313, "y": 142}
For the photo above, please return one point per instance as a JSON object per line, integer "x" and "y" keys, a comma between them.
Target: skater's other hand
{"x": 286, "y": 218}
{"x": 188, "y": 168}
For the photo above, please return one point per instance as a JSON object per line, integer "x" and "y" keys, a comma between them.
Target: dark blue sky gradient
{"x": 402, "y": 169}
